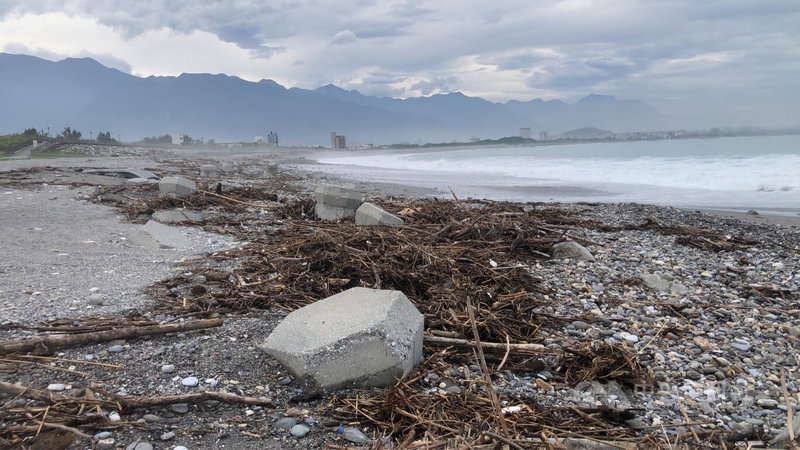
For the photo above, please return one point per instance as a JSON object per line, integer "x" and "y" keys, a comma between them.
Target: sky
{"x": 727, "y": 61}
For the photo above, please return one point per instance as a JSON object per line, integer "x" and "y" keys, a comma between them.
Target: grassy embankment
{"x": 12, "y": 142}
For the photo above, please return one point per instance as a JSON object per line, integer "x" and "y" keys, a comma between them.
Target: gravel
{"x": 710, "y": 342}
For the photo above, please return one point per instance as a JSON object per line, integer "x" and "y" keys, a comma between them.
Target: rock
{"x": 140, "y": 446}
{"x": 102, "y": 435}
{"x": 661, "y": 283}
{"x": 370, "y": 215}
{"x": 190, "y": 381}
{"x": 179, "y": 408}
{"x": 139, "y": 181}
{"x": 753, "y": 212}
{"x": 114, "y": 416}
{"x": 168, "y": 435}
{"x": 299, "y": 430}
{"x": 285, "y": 423}
{"x": 767, "y": 403}
{"x": 176, "y": 186}
{"x": 571, "y": 250}
{"x": 364, "y": 337}
{"x": 105, "y": 443}
{"x": 176, "y": 216}
{"x": 168, "y": 368}
{"x": 336, "y": 202}
{"x": 179, "y": 447}
{"x": 208, "y": 171}
{"x": 57, "y": 387}
{"x": 740, "y": 344}
{"x": 116, "y": 349}
{"x": 157, "y": 235}
{"x": 152, "y": 418}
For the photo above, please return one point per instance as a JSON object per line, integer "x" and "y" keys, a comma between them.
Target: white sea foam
{"x": 730, "y": 171}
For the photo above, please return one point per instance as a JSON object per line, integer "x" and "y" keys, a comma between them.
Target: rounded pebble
{"x": 299, "y": 430}
{"x": 190, "y": 381}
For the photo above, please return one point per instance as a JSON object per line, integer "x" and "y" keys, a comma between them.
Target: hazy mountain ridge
{"x": 87, "y": 96}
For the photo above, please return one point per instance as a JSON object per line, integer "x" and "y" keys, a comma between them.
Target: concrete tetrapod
{"x": 336, "y": 202}
{"x": 360, "y": 337}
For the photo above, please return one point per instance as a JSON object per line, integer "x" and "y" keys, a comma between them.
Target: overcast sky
{"x": 732, "y": 59}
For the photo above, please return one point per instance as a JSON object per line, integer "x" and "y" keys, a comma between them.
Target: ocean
{"x": 733, "y": 173}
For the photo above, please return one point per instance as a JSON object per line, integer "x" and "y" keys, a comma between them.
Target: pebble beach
{"x": 716, "y": 333}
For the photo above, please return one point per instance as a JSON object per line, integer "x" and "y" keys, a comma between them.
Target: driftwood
{"x": 446, "y": 341}
{"x": 124, "y": 402}
{"x": 45, "y": 344}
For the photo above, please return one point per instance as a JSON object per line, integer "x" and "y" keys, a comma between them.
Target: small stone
{"x": 767, "y": 403}
{"x": 168, "y": 368}
{"x": 740, "y": 344}
{"x": 190, "y": 381}
{"x": 116, "y": 349}
{"x": 105, "y": 443}
{"x": 179, "y": 408}
{"x": 631, "y": 337}
{"x": 57, "y": 387}
{"x": 102, "y": 435}
{"x": 180, "y": 447}
{"x": 168, "y": 435}
{"x": 114, "y": 416}
{"x": 152, "y": 418}
{"x": 299, "y": 430}
{"x": 285, "y": 423}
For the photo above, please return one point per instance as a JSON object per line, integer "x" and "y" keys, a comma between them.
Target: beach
{"x": 701, "y": 303}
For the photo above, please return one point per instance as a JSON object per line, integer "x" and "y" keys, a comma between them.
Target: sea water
{"x": 723, "y": 173}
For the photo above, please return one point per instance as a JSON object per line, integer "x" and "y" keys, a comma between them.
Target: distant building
{"x": 338, "y": 141}
{"x": 543, "y": 136}
{"x": 272, "y": 138}
{"x": 178, "y": 139}
{"x": 525, "y": 133}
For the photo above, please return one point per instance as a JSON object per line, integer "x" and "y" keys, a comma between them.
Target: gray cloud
{"x": 681, "y": 49}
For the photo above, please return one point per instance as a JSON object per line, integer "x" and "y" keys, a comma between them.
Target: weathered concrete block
{"x": 208, "y": 171}
{"x": 370, "y": 215}
{"x": 157, "y": 235}
{"x": 361, "y": 337}
{"x": 336, "y": 202}
{"x": 176, "y": 185}
{"x": 662, "y": 283}
{"x": 176, "y": 216}
{"x": 140, "y": 181}
{"x": 571, "y": 250}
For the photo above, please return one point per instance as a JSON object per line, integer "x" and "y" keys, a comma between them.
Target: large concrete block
{"x": 359, "y": 337}
{"x": 176, "y": 185}
{"x": 336, "y": 202}
{"x": 157, "y": 235}
{"x": 571, "y": 250}
{"x": 176, "y": 216}
{"x": 370, "y": 215}
{"x": 208, "y": 171}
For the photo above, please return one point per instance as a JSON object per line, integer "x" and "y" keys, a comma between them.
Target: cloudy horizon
{"x": 733, "y": 62}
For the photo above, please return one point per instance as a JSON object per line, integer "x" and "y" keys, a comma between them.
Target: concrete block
{"x": 370, "y": 215}
{"x": 176, "y": 185}
{"x": 157, "y": 235}
{"x": 336, "y": 202}
{"x": 571, "y": 250}
{"x": 176, "y": 216}
{"x": 208, "y": 171}
{"x": 140, "y": 181}
{"x": 359, "y": 337}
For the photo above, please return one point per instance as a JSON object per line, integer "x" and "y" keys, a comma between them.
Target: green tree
{"x": 70, "y": 135}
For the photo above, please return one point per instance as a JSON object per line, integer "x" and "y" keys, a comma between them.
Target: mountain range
{"x": 85, "y": 95}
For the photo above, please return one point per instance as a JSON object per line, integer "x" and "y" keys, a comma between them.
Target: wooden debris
{"x": 46, "y": 344}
